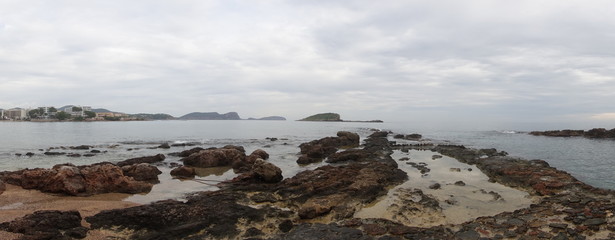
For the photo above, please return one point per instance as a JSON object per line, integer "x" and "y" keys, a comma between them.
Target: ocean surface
{"x": 591, "y": 161}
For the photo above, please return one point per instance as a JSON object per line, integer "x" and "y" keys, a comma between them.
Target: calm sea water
{"x": 591, "y": 161}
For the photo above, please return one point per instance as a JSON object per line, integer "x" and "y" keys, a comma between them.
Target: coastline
{"x": 557, "y": 200}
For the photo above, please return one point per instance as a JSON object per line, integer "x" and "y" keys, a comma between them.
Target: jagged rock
{"x": 183, "y": 171}
{"x": 83, "y": 180}
{"x": 142, "y": 172}
{"x": 317, "y": 150}
{"x": 164, "y": 146}
{"x": 48, "y": 224}
{"x": 148, "y": 159}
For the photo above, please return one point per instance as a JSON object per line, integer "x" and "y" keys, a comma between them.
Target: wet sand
{"x": 16, "y": 202}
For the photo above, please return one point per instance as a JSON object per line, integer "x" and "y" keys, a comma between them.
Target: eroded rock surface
{"x": 318, "y": 150}
{"x": 77, "y": 180}
{"x": 48, "y": 225}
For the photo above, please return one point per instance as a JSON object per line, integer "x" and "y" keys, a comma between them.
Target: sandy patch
{"x": 412, "y": 203}
{"x": 17, "y": 202}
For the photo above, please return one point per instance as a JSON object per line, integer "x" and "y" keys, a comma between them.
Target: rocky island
{"x": 331, "y": 117}
{"x": 387, "y": 186}
{"x": 593, "y": 133}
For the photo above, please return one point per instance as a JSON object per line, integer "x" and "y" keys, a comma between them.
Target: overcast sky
{"x": 489, "y": 63}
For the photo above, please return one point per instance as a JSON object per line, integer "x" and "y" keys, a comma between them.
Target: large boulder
{"x": 258, "y": 153}
{"x": 142, "y": 172}
{"x": 261, "y": 172}
{"x": 83, "y": 180}
{"x": 50, "y": 224}
{"x": 268, "y": 172}
{"x": 147, "y": 159}
{"x": 214, "y": 157}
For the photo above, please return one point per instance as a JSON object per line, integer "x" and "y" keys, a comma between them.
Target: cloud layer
{"x": 476, "y": 61}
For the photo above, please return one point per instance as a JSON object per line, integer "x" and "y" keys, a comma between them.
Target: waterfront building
{"x": 16, "y": 113}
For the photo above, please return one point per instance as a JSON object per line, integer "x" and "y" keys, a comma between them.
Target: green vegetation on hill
{"x": 331, "y": 117}
{"x": 155, "y": 116}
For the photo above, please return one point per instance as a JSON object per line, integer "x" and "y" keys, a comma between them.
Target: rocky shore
{"x": 331, "y": 201}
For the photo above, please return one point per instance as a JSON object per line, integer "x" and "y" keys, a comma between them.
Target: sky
{"x": 491, "y": 64}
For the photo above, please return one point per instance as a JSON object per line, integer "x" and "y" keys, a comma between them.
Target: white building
{"x": 78, "y": 112}
{"x": 15, "y": 113}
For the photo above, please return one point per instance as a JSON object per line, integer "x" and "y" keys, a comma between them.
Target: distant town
{"x": 87, "y": 113}
{"x": 66, "y": 113}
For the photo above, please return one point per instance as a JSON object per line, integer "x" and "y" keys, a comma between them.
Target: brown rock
{"x": 214, "y": 157}
{"x": 106, "y": 177}
{"x": 183, "y": 171}
{"x": 142, "y": 172}
{"x": 261, "y": 172}
{"x": 258, "y": 153}
{"x": 267, "y": 171}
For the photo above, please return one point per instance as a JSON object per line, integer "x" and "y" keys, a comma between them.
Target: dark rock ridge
{"x": 317, "y": 150}
{"x": 85, "y": 180}
{"x": 210, "y": 116}
{"x": 206, "y": 215}
{"x": 593, "y": 133}
{"x": 329, "y": 191}
{"x": 48, "y": 225}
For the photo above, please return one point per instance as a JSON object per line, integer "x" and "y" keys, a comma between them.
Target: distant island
{"x": 331, "y": 117}
{"x": 210, "y": 116}
{"x": 593, "y": 133}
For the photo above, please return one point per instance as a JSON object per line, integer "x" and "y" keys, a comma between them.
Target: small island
{"x": 593, "y": 133}
{"x": 331, "y": 117}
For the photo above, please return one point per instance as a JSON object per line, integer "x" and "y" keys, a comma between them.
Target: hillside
{"x": 150, "y": 116}
{"x": 210, "y": 116}
{"x": 328, "y": 117}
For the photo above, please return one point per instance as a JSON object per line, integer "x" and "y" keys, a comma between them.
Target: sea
{"x": 589, "y": 160}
